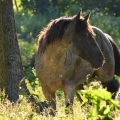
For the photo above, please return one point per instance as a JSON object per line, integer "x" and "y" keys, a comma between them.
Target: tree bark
{"x": 12, "y": 72}
{"x": 2, "y": 75}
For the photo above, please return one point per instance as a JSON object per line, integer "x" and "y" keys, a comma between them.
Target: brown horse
{"x": 68, "y": 50}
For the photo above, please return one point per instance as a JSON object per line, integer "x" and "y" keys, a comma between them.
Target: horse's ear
{"x": 78, "y": 15}
{"x": 87, "y": 16}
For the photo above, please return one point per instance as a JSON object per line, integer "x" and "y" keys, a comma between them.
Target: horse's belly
{"x": 50, "y": 76}
{"x": 52, "y": 81}
{"x": 54, "y": 76}
{"x": 81, "y": 78}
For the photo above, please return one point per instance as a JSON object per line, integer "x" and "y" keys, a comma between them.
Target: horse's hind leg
{"x": 50, "y": 96}
{"x": 68, "y": 90}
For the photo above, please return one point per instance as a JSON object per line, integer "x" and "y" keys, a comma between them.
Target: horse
{"x": 69, "y": 49}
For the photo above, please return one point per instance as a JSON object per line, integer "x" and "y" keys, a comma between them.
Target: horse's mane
{"x": 55, "y": 30}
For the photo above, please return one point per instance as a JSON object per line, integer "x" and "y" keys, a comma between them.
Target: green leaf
{"x": 90, "y": 113}
{"x": 84, "y": 100}
{"x": 117, "y": 78}
{"x": 107, "y": 110}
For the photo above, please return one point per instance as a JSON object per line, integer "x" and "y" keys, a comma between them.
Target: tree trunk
{"x": 12, "y": 72}
{"x": 2, "y": 75}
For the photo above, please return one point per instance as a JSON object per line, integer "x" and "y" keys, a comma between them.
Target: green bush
{"x": 107, "y": 24}
{"x": 102, "y": 104}
{"x": 29, "y": 25}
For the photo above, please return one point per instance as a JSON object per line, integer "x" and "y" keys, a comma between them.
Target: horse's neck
{"x": 54, "y": 53}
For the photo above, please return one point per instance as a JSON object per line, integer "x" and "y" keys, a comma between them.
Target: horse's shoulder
{"x": 69, "y": 54}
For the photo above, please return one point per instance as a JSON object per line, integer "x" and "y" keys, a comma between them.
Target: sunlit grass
{"x": 25, "y": 109}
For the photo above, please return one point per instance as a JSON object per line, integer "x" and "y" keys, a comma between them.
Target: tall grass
{"x": 26, "y": 109}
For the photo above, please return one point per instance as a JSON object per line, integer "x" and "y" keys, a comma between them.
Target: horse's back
{"x": 116, "y": 55}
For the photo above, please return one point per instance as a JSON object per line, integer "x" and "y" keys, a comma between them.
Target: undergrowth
{"x": 97, "y": 105}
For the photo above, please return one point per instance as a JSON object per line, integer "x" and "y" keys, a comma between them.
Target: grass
{"x": 26, "y": 109}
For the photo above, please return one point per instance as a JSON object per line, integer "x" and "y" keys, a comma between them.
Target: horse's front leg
{"x": 69, "y": 95}
{"x": 50, "y": 96}
{"x": 79, "y": 87}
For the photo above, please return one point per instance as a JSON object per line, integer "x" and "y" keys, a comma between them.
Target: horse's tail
{"x": 116, "y": 55}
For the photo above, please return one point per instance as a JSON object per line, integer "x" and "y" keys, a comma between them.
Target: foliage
{"x": 101, "y": 103}
{"x": 29, "y": 25}
{"x": 117, "y": 78}
{"x": 107, "y": 24}
{"x": 105, "y": 6}
{"x": 27, "y": 50}
{"x": 40, "y": 6}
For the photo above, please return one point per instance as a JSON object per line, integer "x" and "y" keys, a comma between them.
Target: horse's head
{"x": 82, "y": 41}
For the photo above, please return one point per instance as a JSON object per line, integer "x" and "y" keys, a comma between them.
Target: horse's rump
{"x": 116, "y": 55}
